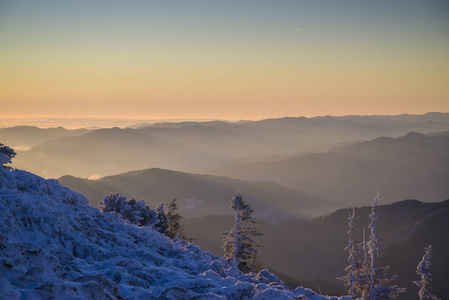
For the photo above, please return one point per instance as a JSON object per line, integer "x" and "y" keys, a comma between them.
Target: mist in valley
{"x": 341, "y": 160}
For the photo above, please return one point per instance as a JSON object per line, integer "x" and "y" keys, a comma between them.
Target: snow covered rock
{"x": 54, "y": 245}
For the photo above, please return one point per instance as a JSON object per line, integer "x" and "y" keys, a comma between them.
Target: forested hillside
{"x": 200, "y": 195}
{"x": 312, "y": 251}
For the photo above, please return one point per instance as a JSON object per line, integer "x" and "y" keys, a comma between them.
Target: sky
{"x": 232, "y": 59}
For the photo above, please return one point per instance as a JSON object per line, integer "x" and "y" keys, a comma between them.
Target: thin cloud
{"x": 296, "y": 28}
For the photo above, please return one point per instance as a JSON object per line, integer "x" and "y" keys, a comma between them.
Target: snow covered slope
{"x": 54, "y": 245}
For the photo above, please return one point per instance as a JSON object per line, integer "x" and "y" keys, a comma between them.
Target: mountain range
{"x": 202, "y": 146}
{"x": 291, "y": 170}
{"x": 411, "y": 166}
{"x": 25, "y": 137}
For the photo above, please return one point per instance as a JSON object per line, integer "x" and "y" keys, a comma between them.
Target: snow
{"x": 54, "y": 245}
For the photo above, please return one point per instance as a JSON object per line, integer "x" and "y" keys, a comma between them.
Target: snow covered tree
{"x": 239, "y": 245}
{"x": 134, "y": 211}
{"x": 423, "y": 270}
{"x": 160, "y": 223}
{"x": 353, "y": 249}
{"x": 113, "y": 203}
{"x": 174, "y": 226}
{"x": 363, "y": 280}
{"x": 374, "y": 240}
{"x": 6, "y": 156}
{"x": 382, "y": 290}
{"x": 379, "y": 278}
{"x": 367, "y": 281}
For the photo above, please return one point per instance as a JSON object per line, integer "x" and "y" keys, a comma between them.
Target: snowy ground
{"x": 53, "y": 245}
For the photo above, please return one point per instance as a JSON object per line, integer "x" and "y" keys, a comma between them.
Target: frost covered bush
{"x": 6, "y": 155}
{"x": 163, "y": 220}
{"x": 136, "y": 212}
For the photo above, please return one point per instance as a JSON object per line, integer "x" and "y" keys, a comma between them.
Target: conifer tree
{"x": 374, "y": 241}
{"x": 113, "y": 203}
{"x": 424, "y": 271}
{"x": 174, "y": 226}
{"x": 239, "y": 245}
{"x": 160, "y": 224}
{"x": 363, "y": 280}
{"x": 379, "y": 277}
{"x": 353, "y": 250}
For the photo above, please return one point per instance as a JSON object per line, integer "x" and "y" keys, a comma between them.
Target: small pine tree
{"x": 160, "y": 224}
{"x": 174, "y": 226}
{"x": 382, "y": 289}
{"x": 6, "y": 156}
{"x": 424, "y": 271}
{"x": 239, "y": 246}
{"x": 350, "y": 279}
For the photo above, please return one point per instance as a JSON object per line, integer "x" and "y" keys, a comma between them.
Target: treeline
{"x": 164, "y": 218}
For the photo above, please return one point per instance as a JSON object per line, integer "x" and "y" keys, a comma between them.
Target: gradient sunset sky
{"x": 223, "y": 59}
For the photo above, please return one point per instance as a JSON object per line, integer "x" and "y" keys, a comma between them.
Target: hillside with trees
{"x": 200, "y": 195}
{"x": 54, "y": 245}
{"x": 311, "y": 252}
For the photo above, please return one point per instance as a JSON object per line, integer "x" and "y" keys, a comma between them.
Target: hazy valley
{"x": 342, "y": 160}
{"x": 204, "y": 146}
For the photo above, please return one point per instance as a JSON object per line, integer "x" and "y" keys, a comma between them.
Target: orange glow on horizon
{"x": 148, "y": 67}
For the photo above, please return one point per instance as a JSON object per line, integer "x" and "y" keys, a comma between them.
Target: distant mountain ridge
{"x": 25, "y": 137}
{"x": 411, "y": 166}
{"x": 200, "y": 195}
{"x": 189, "y": 146}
